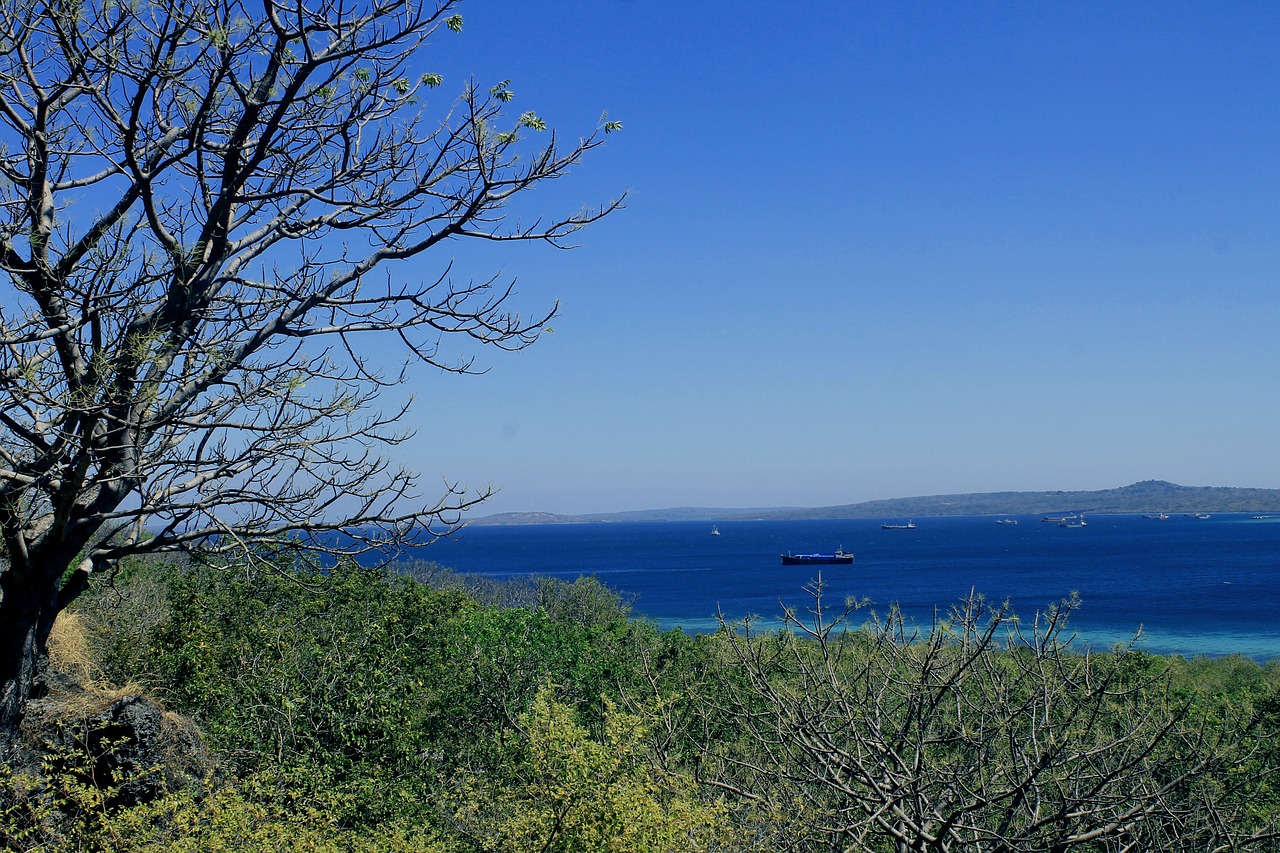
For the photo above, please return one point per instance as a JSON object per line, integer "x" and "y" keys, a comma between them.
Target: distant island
{"x": 1149, "y": 496}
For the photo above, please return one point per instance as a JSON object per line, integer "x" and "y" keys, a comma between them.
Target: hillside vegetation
{"x": 1147, "y": 496}
{"x": 352, "y": 710}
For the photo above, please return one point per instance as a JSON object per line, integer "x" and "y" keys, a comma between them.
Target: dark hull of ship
{"x": 818, "y": 559}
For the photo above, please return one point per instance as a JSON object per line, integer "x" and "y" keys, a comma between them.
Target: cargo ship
{"x": 841, "y": 556}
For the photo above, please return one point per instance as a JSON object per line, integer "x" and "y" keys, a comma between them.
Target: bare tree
{"x": 202, "y": 207}
{"x": 983, "y": 734}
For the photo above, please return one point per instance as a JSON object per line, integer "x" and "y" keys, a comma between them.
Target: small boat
{"x": 1006, "y": 521}
{"x": 715, "y": 531}
{"x": 910, "y": 525}
{"x": 1158, "y": 516}
{"x": 841, "y": 556}
{"x": 1073, "y": 521}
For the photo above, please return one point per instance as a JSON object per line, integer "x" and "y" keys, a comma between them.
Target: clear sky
{"x": 880, "y": 249}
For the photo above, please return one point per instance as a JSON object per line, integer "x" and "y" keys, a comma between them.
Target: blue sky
{"x": 878, "y": 249}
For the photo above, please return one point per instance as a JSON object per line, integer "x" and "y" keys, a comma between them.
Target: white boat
{"x": 715, "y": 531}
{"x": 910, "y": 525}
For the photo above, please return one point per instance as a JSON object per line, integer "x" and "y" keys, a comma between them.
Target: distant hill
{"x": 1147, "y": 496}
{"x": 684, "y": 513}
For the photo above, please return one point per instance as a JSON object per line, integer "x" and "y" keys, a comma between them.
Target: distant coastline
{"x": 1148, "y": 496}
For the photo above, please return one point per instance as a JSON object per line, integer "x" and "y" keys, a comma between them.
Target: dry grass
{"x": 88, "y": 701}
{"x": 71, "y": 649}
{"x": 71, "y": 652}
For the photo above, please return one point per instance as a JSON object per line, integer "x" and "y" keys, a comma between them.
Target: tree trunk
{"x": 25, "y": 623}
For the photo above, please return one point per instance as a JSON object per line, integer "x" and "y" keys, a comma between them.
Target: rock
{"x": 123, "y": 743}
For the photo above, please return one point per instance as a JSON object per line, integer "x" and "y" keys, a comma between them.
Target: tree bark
{"x": 26, "y": 619}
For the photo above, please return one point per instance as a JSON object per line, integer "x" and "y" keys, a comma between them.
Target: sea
{"x": 1181, "y": 585}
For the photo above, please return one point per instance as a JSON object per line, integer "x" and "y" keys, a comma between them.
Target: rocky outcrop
{"x": 121, "y": 742}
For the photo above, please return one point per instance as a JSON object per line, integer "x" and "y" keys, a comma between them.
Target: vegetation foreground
{"x": 351, "y": 710}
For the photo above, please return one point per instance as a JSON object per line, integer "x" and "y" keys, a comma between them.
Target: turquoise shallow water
{"x": 1192, "y": 586}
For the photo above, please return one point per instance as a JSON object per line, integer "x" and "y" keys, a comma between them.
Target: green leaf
{"x": 532, "y": 121}
{"x": 502, "y": 93}
{"x": 454, "y": 22}
{"x": 432, "y": 80}
{"x": 611, "y": 126}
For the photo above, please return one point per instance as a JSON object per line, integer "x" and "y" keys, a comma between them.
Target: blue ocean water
{"x": 1193, "y": 586}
